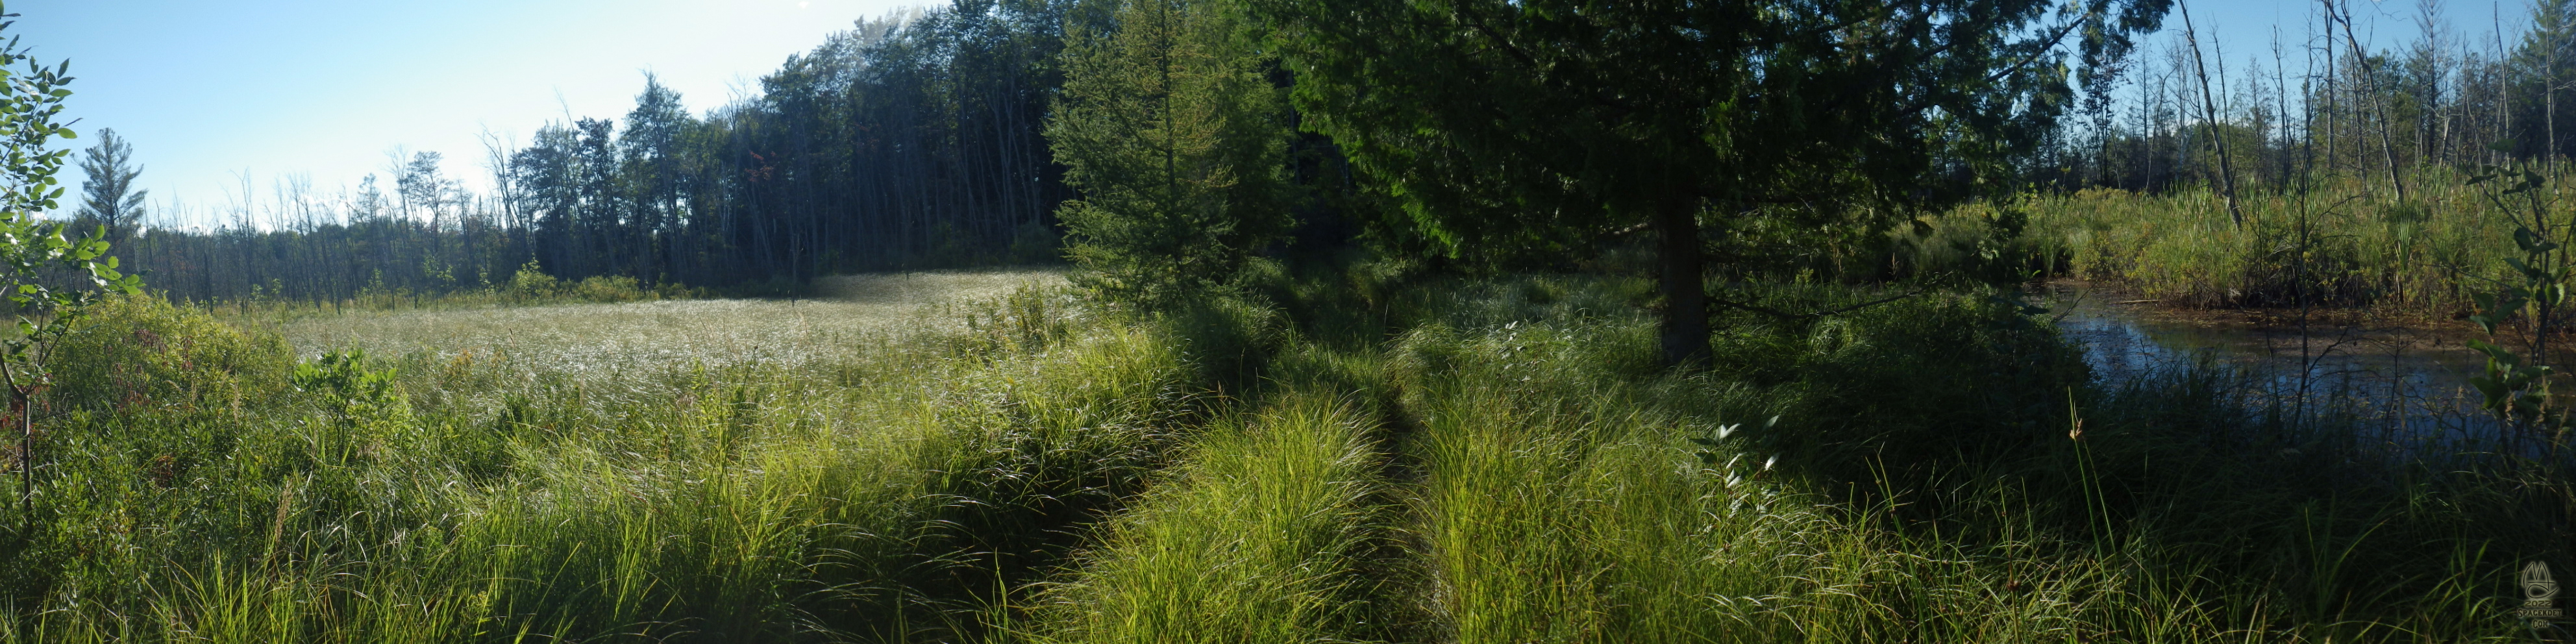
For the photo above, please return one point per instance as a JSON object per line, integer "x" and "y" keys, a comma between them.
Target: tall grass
{"x": 2339, "y": 244}
{"x": 1925, "y": 490}
{"x": 1263, "y": 536}
{"x": 891, "y": 495}
{"x": 1370, "y": 455}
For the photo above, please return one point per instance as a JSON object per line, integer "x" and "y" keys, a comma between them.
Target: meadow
{"x": 1351, "y": 452}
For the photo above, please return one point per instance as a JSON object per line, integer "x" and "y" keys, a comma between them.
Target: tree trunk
{"x": 1685, "y": 328}
{"x": 26, "y": 453}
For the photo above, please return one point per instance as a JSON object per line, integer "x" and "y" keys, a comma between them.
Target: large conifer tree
{"x": 109, "y": 197}
{"x": 1510, "y": 124}
{"x": 1176, "y": 140}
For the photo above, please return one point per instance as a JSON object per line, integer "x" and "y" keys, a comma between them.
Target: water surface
{"x": 2407, "y": 380}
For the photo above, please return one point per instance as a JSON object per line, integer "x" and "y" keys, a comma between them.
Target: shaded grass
{"x": 1925, "y": 492}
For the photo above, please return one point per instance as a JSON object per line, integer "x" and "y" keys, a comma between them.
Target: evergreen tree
{"x": 1540, "y": 124}
{"x": 109, "y": 197}
{"x": 1175, "y": 138}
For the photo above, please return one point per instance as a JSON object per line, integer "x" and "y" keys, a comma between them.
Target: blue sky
{"x": 212, "y": 91}
{"x": 209, "y": 90}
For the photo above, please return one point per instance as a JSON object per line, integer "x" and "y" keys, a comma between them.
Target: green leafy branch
{"x": 2515, "y": 386}
{"x": 35, "y": 254}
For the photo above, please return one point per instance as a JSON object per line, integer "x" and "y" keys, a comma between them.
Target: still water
{"x": 2405, "y": 383}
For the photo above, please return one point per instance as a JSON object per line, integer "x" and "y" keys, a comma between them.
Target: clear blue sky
{"x": 208, "y": 91}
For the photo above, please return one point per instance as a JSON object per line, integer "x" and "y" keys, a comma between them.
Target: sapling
{"x": 2516, "y": 386}
{"x": 35, "y": 255}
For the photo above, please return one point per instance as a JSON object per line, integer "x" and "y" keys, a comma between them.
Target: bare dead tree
{"x": 2370, "y": 82}
{"x": 2210, "y": 120}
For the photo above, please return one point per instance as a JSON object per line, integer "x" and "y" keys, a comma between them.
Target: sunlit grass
{"x": 2342, "y": 242}
{"x": 1263, "y": 536}
{"x": 849, "y": 494}
{"x": 858, "y": 312}
{"x": 1443, "y": 460}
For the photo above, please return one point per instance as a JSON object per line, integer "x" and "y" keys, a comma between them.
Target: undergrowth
{"x": 1351, "y": 451}
{"x": 2339, "y": 243}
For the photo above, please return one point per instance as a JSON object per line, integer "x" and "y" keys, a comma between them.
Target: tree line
{"x": 1173, "y": 143}
{"x": 912, "y": 141}
{"x": 2321, "y": 101}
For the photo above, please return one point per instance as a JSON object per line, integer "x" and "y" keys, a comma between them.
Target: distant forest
{"x": 908, "y": 142}
{"x": 919, "y": 141}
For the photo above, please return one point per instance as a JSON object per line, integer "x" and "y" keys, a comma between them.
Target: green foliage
{"x": 2516, "y": 387}
{"x": 530, "y": 285}
{"x": 138, "y": 350}
{"x": 343, "y": 379}
{"x": 1525, "y": 130}
{"x": 1387, "y": 456}
{"x": 1290, "y": 487}
{"x": 2423, "y": 258}
{"x": 1173, "y": 133}
{"x": 31, "y": 248}
{"x": 109, "y": 199}
{"x": 883, "y": 494}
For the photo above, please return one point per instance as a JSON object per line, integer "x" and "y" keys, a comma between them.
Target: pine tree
{"x": 1176, "y": 140}
{"x": 109, "y": 197}
{"x": 1519, "y": 125}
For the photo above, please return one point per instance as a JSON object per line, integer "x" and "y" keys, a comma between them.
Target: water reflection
{"x": 2406, "y": 385}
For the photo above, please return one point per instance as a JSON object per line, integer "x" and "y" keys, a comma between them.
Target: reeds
{"x": 2338, "y": 244}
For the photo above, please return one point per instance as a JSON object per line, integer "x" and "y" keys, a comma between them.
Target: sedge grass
{"x": 1261, "y": 537}
{"x": 875, "y": 498}
{"x": 1415, "y": 459}
{"x": 2338, "y": 243}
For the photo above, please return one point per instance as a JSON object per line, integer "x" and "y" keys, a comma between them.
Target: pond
{"x": 2407, "y": 382}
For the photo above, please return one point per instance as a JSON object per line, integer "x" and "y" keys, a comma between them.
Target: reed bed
{"x": 2343, "y": 242}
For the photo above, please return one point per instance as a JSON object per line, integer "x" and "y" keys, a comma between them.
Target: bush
{"x": 532, "y": 284}
{"x": 140, "y": 350}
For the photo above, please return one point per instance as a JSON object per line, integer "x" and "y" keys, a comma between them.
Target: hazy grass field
{"x": 1354, "y": 454}
{"x": 852, "y": 314}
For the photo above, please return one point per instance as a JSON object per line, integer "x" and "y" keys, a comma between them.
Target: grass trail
{"x": 1260, "y": 537}
{"x": 1451, "y": 461}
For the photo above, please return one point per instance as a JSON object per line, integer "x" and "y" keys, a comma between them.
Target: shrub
{"x": 141, "y": 350}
